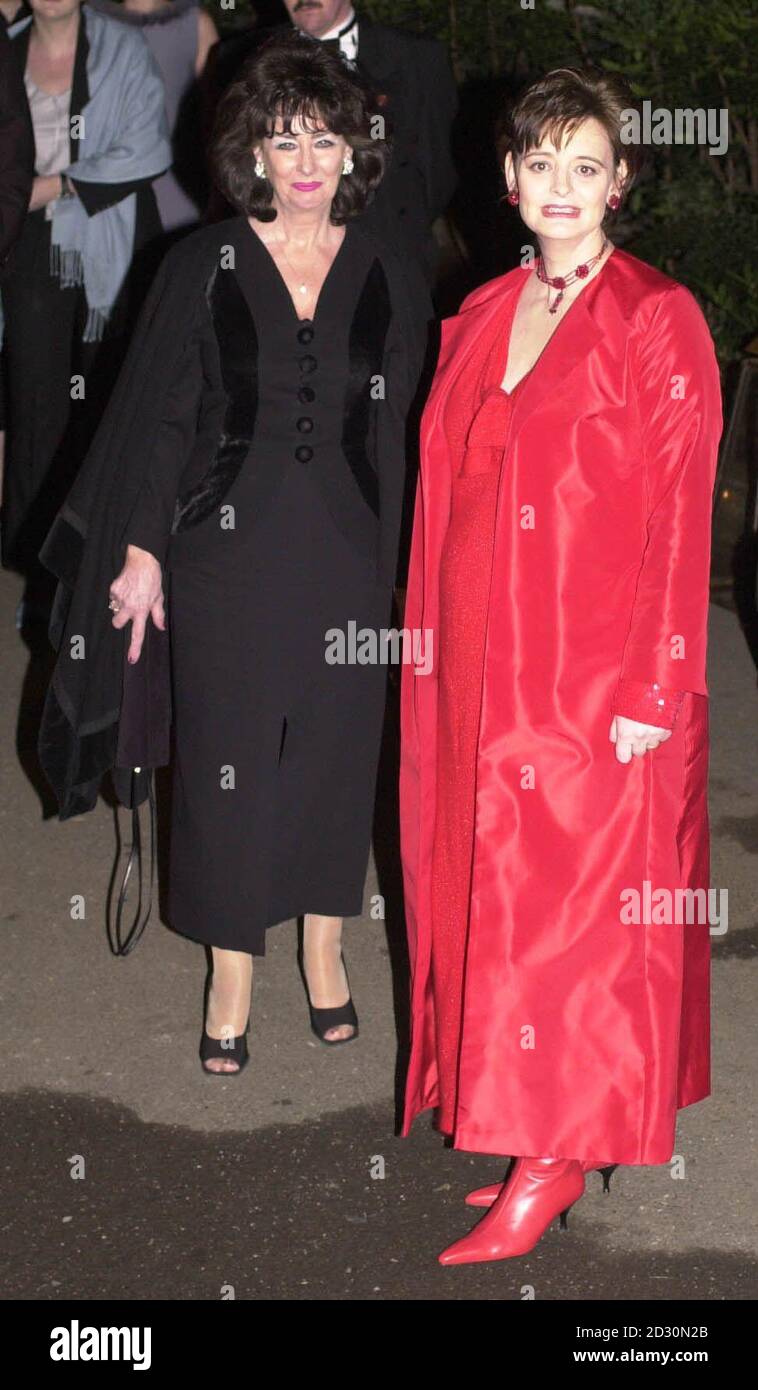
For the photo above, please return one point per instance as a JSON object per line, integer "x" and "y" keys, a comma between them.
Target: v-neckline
{"x": 283, "y": 283}
{"x": 553, "y": 335}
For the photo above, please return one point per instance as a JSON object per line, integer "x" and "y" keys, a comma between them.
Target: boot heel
{"x": 606, "y": 1174}
{"x": 564, "y": 1216}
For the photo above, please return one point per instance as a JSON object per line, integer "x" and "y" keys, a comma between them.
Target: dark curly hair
{"x": 559, "y": 102}
{"x": 293, "y": 76}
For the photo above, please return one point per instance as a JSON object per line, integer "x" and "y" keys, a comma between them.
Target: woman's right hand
{"x": 45, "y": 189}
{"x": 138, "y": 589}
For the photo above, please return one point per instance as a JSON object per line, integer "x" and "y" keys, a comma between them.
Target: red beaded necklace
{"x": 562, "y": 282}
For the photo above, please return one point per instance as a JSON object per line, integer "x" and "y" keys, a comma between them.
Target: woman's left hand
{"x": 634, "y": 740}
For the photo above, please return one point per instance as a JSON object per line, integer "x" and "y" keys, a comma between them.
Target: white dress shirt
{"x": 348, "y": 41}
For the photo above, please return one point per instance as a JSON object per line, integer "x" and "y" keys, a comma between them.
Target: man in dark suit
{"x": 414, "y": 85}
{"x": 16, "y": 150}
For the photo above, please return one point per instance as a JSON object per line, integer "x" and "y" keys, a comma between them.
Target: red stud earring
{"x": 614, "y": 201}
{"x": 513, "y": 197}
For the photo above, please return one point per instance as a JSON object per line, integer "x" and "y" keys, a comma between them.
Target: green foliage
{"x": 695, "y": 215}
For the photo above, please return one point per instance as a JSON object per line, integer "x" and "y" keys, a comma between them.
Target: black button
{"x": 303, "y": 453}
{"x": 304, "y": 335}
{"x": 306, "y": 394}
{"x": 307, "y": 364}
{"x": 305, "y": 424}
{"x": 402, "y": 211}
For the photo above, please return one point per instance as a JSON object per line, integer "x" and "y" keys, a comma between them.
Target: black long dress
{"x": 275, "y": 749}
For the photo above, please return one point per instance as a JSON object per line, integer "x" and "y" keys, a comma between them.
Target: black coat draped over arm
{"x": 16, "y": 149}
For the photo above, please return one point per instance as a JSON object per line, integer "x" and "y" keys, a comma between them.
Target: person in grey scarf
{"x": 75, "y": 277}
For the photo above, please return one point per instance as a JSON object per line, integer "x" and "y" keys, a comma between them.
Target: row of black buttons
{"x": 306, "y": 394}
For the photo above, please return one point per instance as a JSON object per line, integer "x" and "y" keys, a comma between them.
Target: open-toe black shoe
{"x": 323, "y": 1020}
{"x": 228, "y": 1049}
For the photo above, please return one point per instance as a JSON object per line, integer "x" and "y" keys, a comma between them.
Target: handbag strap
{"x": 125, "y": 944}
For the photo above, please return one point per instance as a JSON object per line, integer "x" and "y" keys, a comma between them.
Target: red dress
{"x": 465, "y": 570}
{"x": 464, "y": 594}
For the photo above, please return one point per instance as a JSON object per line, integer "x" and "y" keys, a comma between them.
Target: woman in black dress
{"x": 268, "y": 517}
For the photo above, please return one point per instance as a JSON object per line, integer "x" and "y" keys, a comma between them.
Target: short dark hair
{"x": 291, "y": 76}
{"x": 559, "y": 102}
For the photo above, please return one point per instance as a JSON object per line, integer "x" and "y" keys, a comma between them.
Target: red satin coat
{"x": 581, "y": 1036}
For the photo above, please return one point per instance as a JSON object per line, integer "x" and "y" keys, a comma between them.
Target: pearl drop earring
{"x": 260, "y": 169}
{"x": 347, "y": 164}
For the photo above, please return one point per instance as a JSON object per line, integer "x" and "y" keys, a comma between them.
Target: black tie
{"x": 351, "y": 63}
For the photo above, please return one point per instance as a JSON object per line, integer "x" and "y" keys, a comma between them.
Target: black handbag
{"x": 143, "y": 745}
{"x": 133, "y": 787}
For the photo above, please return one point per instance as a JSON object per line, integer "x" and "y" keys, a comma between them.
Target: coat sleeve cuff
{"x": 146, "y": 538}
{"x": 648, "y": 703}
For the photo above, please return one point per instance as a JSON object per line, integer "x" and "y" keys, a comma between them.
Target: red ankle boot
{"x": 485, "y": 1196}
{"x": 536, "y": 1192}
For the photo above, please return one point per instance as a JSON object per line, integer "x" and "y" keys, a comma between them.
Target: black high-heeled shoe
{"x": 322, "y": 1020}
{"x": 228, "y": 1049}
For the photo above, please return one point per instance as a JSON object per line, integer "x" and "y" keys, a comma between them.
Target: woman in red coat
{"x": 554, "y": 758}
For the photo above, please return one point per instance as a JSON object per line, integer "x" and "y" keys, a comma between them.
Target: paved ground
{"x": 288, "y": 1182}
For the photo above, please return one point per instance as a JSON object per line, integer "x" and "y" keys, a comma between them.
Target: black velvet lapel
{"x": 368, "y": 332}
{"x": 235, "y": 331}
